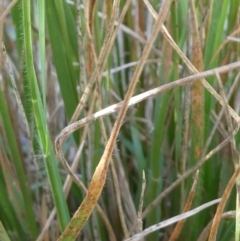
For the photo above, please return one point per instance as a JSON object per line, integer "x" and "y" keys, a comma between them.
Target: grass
{"x": 94, "y": 94}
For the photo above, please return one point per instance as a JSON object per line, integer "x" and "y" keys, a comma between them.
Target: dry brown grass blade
{"x": 92, "y": 4}
{"x": 204, "y": 234}
{"x": 98, "y": 180}
{"x": 7, "y": 11}
{"x": 197, "y": 88}
{"x": 141, "y": 18}
{"x": 108, "y": 7}
{"x": 178, "y": 228}
{"x": 141, "y": 202}
{"x": 81, "y": 52}
{"x": 139, "y": 236}
{"x": 67, "y": 186}
{"x": 217, "y": 218}
{"x": 185, "y": 139}
{"x": 116, "y": 184}
{"x": 90, "y": 18}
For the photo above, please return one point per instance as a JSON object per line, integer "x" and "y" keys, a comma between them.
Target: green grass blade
{"x": 41, "y": 22}
{"x": 8, "y": 215}
{"x": 216, "y": 31}
{"x": 16, "y": 158}
{"x": 156, "y": 157}
{"x": 62, "y": 54}
{"x": 41, "y": 124}
{"x": 17, "y": 20}
{"x": 3, "y": 233}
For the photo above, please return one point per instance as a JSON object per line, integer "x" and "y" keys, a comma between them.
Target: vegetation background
{"x": 64, "y": 60}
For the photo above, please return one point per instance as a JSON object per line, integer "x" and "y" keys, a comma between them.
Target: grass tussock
{"x": 119, "y": 120}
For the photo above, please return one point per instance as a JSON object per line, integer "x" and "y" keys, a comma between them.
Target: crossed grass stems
{"x": 136, "y": 99}
{"x": 122, "y": 107}
{"x": 99, "y": 176}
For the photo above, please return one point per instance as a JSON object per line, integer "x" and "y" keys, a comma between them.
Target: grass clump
{"x": 71, "y": 145}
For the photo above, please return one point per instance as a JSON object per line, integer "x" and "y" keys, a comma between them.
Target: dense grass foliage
{"x": 173, "y": 150}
